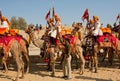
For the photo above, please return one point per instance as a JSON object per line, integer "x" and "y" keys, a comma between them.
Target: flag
{"x": 118, "y": 17}
{"x": 53, "y": 12}
{"x": 85, "y": 15}
{"x": 47, "y": 15}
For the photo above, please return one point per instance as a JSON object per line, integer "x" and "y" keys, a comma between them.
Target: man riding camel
{"x": 4, "y": 22}
{"x": 97, "y": 31}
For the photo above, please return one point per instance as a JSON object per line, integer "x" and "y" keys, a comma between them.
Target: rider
{"x": 58, "y": 23}
{"x": 4, "y": 23}
{"x": 51, "y": 31}
{"x": 97, "y": 25}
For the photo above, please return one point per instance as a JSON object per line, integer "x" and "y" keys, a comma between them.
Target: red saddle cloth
{"x": 71, "y": 38}
{"x": 7, "y": 41}
{"x": 108, "y": 38}
{"x": 72, "y": 41}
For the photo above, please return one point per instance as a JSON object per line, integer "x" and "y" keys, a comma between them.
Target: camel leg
{"x": 4, "y": 62}
{"x": 27, "y": 61}
{"x": 96, "y": 62}
{"x": 119, "y": 59}
{"x": 5, "y": 66}
{"x": 81, "y": 57}
{"x": 19, "y": 68}
{"x": 105, "y": 54}
{"x": 91, "y": 63}
{"x": 110, "y": 56}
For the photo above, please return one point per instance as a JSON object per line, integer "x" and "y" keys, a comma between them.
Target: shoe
{"x": 64, "y": 76}
{"x": 67, "y": 78}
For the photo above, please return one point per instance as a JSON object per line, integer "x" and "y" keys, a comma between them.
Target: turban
{"x": 57, "y": 18}
{"x": 6, "y": 19}
{"x": 95, "y": 18}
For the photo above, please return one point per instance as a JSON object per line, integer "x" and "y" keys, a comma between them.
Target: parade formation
{"x": 85, "y": 43}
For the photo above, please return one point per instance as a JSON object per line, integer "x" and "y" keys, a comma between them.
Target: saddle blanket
{"x": 7, "y": 41}
{"x": 108, "y": 38}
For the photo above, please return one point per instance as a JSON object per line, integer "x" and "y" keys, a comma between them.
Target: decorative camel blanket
{"x": 71, "y": 38}
{"x": 7, "y": 41}
{"x": 107, "y": 40}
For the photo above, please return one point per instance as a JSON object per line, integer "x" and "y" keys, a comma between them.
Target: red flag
{"x": 47, "y": 15}
{"x": 85, "y": 15}
{"x": 118, "y": 17}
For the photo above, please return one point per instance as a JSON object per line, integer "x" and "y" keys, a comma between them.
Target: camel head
{"x": 77, "y": 25}
{"x": 30, "y": 29}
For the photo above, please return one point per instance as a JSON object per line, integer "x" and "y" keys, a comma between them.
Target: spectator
{"x": 40, "y": 27}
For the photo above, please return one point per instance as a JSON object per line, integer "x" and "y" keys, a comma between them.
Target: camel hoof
{"x": 5, "y": 71}
{"x": 53, "y": 75}
{"x": 81, "y": 73}
{"x": 96, "y": 71}
{"x": 27, "y": 72}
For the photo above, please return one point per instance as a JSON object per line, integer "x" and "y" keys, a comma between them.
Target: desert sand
{"x": 38, "y": 71}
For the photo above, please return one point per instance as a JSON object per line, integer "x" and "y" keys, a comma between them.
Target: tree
{"x": 19, "y": 23}
{"x": 14, "y": 22}
{"x": 22, "y": 23}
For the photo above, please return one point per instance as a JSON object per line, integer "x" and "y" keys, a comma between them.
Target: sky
{"x": 34, "y": 11}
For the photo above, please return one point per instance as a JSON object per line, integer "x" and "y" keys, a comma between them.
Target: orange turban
{"x": 57, "y": 18}
{"x": 6, "y": 19}
{"x": 51, "y": 19}
{"x": 95, "y": 18}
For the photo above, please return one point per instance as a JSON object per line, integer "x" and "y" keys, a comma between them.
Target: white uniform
{"x": 97, "y": 31}
{"x": 4, "y": 25}
{"x": 59, "y": 25}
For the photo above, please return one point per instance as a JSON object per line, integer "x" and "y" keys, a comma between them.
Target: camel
{"x": 116, "y": 31}
{"x": 90, "y": 52}
{"x": 78, "y": 32}
{"x": 14, "y": 48}
{"x": 40, "y": 42}
{"x": 24, "y": 51}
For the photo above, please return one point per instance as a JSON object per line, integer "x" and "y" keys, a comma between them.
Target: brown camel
{"x": 15, "y": 51}
{"x": 24, "y": 51}
{"x": 78, "y": 32}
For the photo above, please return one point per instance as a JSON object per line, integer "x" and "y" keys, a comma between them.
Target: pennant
{"x": 47, "y": 15}
{"x": 85, "y": 15}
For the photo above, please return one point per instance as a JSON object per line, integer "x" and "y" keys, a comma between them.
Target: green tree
{"x": 19, "y": 23}
{"x": 14, "y": 22}
{"x": 22, "y": 23}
